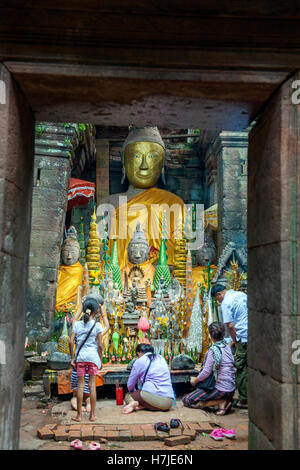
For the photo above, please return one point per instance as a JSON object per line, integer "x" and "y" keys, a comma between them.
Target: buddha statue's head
{"x": 143, "y": 156}
{"x": 208, "y": 253}
{"x": 70, "y": 251}
{"x": 138, "y": 248}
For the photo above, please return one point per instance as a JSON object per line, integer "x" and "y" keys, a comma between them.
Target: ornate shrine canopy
{"x": 80, "y": 192}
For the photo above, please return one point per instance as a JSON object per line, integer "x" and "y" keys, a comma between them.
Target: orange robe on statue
{"x": 145, "y": 208}
{"x": 69, "y": 279}
{"x": 147, "y": 268}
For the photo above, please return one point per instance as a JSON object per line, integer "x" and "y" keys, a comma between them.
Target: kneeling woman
{"x": 219, "y": 361}
{"x": 151, "y": 370}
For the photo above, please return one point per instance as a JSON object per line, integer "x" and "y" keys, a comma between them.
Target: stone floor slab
{"x": 107, "y": 412}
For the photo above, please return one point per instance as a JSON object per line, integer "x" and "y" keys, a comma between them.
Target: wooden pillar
{"x": 16, "y": 174}
{"x": 274, "y": 274}
{"x": 102, "y": 169}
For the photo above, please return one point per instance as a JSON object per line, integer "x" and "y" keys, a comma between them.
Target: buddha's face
{"x": 70, "y": 254}
{"x": 143, "y": 163}
{"x": 138, "y": 253}
{"x": 207, "y": 254}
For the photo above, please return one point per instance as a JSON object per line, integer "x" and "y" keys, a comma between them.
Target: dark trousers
{"x": 241, "y": 365}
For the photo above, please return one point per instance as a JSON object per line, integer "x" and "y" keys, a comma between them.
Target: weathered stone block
{"x": 272, "y": 288}
{"x": 44, "y": 249}
{"x": 271, "y": 409}
{"x": 257, "y": 439}
{"x": 270, "y": 350}
{"x": 48, "y": 210}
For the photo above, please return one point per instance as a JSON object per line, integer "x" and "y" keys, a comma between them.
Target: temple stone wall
{"x": 273, "y": 274}
{"x": 49, "y": 206}
{"x": 61, "y": 151}
{"x": 16, "y": 167}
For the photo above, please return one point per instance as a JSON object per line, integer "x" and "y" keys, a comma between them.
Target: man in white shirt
{"x": 234, "y": 307}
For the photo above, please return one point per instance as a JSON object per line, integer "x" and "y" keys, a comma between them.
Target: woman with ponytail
{"x": 151, "y": 370}
{"x": 215, "y": 384}
{"x": 88, "y": 334}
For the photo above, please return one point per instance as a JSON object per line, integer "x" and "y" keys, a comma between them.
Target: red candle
{"x": 119, "y": 395}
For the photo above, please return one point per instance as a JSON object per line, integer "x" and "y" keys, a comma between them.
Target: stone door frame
{"x": 35, "y": 91}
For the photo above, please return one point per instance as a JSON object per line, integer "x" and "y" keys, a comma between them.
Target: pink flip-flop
{"x": 94, "y": 446}
{"x": 229, "y": 433}
{"x": 76, "y": 444}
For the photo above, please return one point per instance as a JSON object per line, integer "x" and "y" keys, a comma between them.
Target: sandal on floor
{"x": 229, "y": 433}
{"x": 161, "y": 427}
{"x": 76, "y": 444}
{"x": 224, "y": 411}
{"x": 175, "y": 423}
{"x": 216, "y": 434}
{"x": 239, "y": 405}
{"x": 94, "y": 446}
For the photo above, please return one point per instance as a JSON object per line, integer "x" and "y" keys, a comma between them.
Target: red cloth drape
{"x": 80, "y": 192}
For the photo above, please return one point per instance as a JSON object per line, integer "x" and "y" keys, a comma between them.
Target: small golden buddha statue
{"x": 206, "y": 254}
{"x": 70, "y": 271}
{"x": 143, "y": 156}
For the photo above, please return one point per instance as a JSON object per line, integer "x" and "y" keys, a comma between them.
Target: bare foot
{"x": 78, "y": 419}
{"x": 132, "y": 406}
{"x": 92, "y": 418}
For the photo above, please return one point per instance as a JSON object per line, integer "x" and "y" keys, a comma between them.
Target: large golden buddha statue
{"x": 70, "y": 271}
{"x": 143, "y": 156}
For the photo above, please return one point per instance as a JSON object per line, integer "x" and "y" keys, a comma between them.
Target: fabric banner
{"x": 80, "y": 192}
{"x": 211, "y": 217}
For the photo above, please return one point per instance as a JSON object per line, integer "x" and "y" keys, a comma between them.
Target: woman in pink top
{"x": 218, "y": 361}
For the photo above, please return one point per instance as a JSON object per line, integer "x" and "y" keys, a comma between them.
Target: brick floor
{"x": 60, "y": 435}
{"x": 74, "y": 434}
{"x": 125, "y": 435}
{"x": 87, "y": 433}
{"x": 149, "y": 434}
{"x": 175, "y": 432}
{"x": 177, "y": 440}
{"x": 137, "y": 434}
{"x": 99, "y": 433}
{"x": 45, "y": 433}
{"x": 190, "y": 432}
{"x": 112, "y": 435}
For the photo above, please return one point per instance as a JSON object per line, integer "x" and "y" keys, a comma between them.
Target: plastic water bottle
{"x": 174, "y": 401}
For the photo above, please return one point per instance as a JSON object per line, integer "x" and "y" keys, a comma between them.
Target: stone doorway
{"x": 166, "y": 97}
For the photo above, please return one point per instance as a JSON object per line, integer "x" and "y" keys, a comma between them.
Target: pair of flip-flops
{"x": 77, "y": 445}
{"x": 174, "y": 423}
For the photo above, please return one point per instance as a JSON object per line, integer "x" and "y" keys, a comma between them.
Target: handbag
{"x": 209, "y": 383}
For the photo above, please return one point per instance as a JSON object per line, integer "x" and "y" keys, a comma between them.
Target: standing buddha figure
{"x": 143, "y": 156}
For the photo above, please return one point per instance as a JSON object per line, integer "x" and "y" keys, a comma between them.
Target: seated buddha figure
{"x": 206, "y": 254}
{"x": 143, "y": 154}
{"x": 70, "y": 271}
{"x": 138, "y": 267}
